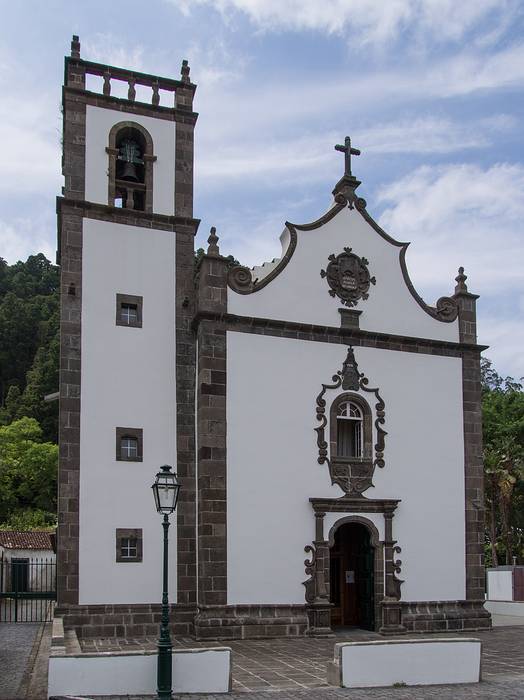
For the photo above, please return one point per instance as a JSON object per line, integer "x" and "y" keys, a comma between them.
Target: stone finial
{"x": 184, "y": 71}
{"x": 461, "y": 281}
{"x": 75, "y": 47}
{"x": 213, "y": 242}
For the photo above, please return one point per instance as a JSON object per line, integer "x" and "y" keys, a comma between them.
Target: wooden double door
{"x": 352, "y": 559}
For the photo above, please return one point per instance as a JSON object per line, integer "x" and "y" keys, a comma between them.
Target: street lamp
{"x": 165, "y": 491}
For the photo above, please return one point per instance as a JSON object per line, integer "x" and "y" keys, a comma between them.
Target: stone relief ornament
{"x": 353, "y": 476}
{"x": 348, "y": 276}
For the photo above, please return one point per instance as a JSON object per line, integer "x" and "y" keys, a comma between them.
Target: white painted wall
{"x": 194, "y": 671}
{"x": 128, "y": 380}
{"x": 41, "y": 570}
{"x": 299, "y": 293}
{"x": 500, "y": 585}
{"x": 99, "y": 121}
{"x": 412, "y": 662}
{"x": 273, "y": 471}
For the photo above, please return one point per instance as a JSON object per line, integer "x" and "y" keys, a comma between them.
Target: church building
{"x": 323, "y": 420}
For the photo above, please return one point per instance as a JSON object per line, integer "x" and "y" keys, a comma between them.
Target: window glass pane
{"x": 128, "y": 313}
{"x": 128, "y": 547}
{"x": 129, "y": 447}
{"x": 349, "y": 438}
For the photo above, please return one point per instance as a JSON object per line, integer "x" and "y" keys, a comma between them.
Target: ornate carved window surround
{"x": 147, "y": 157}
{"x": 358, "y": 466}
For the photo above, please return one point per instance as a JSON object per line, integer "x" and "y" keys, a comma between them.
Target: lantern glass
{"x": 165, "y": 490}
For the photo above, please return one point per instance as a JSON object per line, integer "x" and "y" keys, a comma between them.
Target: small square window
{"x": 128, "y": 544}
{"x": 129, "y": 310}
{"x": 129, "y": 444}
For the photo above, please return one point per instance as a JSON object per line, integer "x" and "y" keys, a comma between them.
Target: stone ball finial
{"x": 213, "y": 242}
{"x": 184, "y": 71}
{"x": 460, "y": 279}
{"x": 75, "y": 47}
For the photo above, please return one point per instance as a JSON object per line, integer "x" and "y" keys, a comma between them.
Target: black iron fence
{"x": 27, "y": 589}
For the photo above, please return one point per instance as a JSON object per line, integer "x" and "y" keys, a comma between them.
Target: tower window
{"x": 129, "y": 310}
{"x": 129, "y": 444}
{"x": 131, "y": 161}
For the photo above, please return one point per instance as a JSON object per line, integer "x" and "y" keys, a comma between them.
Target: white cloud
{"x": 24, "y": 236}
{"x": 310, "y": 157}
{"x": 460, "y": 215}
{"x": 367, "y": 21}
{"x": 505, "y": 337}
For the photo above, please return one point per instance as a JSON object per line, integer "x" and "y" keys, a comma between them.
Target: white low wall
{"x": 405, "y": 662}
{"x": 500, "y": 584}
{"x": 505, "y": 607}
{"x": 134, "y": 673}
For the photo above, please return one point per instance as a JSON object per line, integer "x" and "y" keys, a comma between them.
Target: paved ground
{"x": 297, "y": 667}
{"x": 17, "y": 645}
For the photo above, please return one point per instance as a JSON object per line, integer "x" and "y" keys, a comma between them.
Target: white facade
{"x": 273, "y": 469}
{"x": 128, "y": 380}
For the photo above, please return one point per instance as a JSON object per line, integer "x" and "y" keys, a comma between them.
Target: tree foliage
{"x": 29, "y": 341}
{"x": 503, "y": 434}
{"x": 28, "y": 474}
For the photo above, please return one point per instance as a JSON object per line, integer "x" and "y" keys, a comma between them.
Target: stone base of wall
{"x": 125, "y": 620}
{"x": 445, "y": 616}
{"x": 250, "y": 621}
{"x": 257, "y": 621}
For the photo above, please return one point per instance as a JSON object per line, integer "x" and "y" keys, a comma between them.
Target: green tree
{"x": 28, "y": 472}
{"x": 503, "y": 434}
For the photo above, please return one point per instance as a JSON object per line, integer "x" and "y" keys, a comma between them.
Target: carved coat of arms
{"x": 348, "y": 277}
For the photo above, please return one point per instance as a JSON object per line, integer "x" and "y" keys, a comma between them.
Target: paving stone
{"x": 296, "y": 668}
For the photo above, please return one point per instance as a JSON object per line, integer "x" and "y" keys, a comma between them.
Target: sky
{"x": 431, "y": 91}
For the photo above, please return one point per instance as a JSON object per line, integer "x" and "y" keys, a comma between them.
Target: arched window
{"x": 130, "y": 169}
{"x": 350, "y": 429}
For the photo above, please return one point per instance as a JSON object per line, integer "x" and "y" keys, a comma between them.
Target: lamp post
{"x": 165, "y": 491}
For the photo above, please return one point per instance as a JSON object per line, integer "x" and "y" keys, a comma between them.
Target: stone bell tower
{"x": 125, "y": 247}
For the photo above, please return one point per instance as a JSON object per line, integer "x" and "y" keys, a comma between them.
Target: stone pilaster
{"x": 473, "y": 462}
{"x": 184, "y": 146}
{"x": 211, "y": 431}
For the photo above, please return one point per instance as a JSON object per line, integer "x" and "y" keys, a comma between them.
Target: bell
{"x": 129, "y": 172}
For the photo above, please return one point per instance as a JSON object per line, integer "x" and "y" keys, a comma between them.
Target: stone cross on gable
{"x": 348, "y": 152}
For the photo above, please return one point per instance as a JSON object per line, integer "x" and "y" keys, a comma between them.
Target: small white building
{"x": 313, "y": 407}
{"x": 27, "y": 560}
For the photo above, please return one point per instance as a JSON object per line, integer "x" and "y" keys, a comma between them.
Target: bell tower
{"x": 126, "y": 251}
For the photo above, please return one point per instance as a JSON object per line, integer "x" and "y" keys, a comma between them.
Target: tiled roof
{"x": 36, "y": 539}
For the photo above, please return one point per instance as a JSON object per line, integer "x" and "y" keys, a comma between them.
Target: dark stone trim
{"x": 136, "y": 433}
{"x": 125, "y": 620}
{"x": 135, "y": 533}
{"x": 119, "y": 104}
{"x": 445, "y": 615}
{"x": 331, "y": 334}
{"x": 124, "y": 74}
{"x": 348, "y": 504}
{"x": 69, "y": 256}
{"x": 137, "y": 301}
{"x": 349, "y": 318}
{"x": 130, "y": 217}
{"x": 185, "y": 422}
{"x": 250, "y": 621}
{"x": 473, "y": 476}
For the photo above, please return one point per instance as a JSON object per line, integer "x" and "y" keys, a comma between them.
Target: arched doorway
{"x": 352, "y": 585}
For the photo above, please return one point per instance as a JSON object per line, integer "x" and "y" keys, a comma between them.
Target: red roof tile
{"x": 36, "y": 539}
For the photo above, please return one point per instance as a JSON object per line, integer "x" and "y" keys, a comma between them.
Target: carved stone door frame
{"x": 387, "y": 592}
